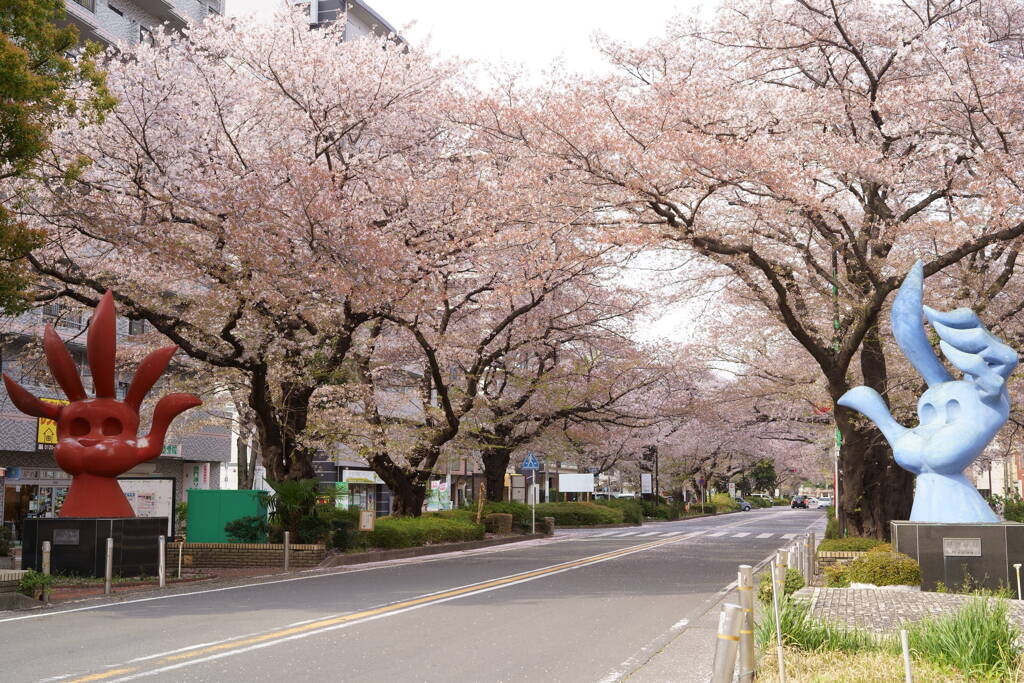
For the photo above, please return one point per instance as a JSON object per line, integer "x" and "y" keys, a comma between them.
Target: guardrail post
{"x": 745, "y": 586}
{"x": 287, "y": 548}
{"x": 162, "y": 545}
{"x": 729, "y": 624}
{"x": 812, "y": 557}
{"x": 108, "y": 572}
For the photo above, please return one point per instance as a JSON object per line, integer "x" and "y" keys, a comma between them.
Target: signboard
{"x": 361, "y": 477}
{"x": 732, "y": 490}
{"x": 65, "y": 536}
{"x": 46, "y": 430}
{"x": 438, "y": 496}
{"x": 646, "y": 485}
{"x": 341, "y": 498}
{"x": 197, "y": 475}
{"x": 576, "y": 483}
{"x": 151, "y": 497}
{"x": 961, "y": 547}
{"x": 172, "y": 449}
{"x": 367, "y": 519}
{"x": 530, "y": 463}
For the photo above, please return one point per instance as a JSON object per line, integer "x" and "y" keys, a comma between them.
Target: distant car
{"x": 825, "y": 502}
{"x": 744, "y": 505}
{"x": 799, "y": 502}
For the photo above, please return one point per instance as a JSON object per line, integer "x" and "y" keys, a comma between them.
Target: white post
{"x": 745, "y": 586}
{"x": 46, "y": 557}
{"x": 108, "y": 573}
{"x": 547, "y": 481}
{"x": 729, "y": 623}
{"x": 908, "y": 674}
{"x": 162, "y": 545}
{"x": 778, "y": 582}
{"x": 287, "y": 548}
{"x": 812, "y": 557}
{"x": 1016, "y": 568}
{"x": 533, "y": 501}
{"x": 181, "y": 551}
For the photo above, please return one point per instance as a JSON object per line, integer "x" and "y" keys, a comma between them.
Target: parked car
{"x": 825, "y": 502}
{"x": 799, "y": 502}
{"x": 744, "y": 505}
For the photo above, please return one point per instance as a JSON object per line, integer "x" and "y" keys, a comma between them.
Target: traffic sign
{"x": 530, "y": 463}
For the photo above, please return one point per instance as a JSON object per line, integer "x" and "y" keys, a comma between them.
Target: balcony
{"x": 82, "y": 13}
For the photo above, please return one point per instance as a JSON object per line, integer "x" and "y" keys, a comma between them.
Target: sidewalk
{"x": 885, "y": 611}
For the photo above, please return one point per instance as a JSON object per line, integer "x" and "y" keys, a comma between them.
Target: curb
{"x": 404, "y": 553}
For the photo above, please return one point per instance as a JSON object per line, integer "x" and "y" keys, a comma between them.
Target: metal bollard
{"x": 46, "y": 557}
{"x": 287, "y": 548}
{"x": 729, "y": 623}
{"x": 1016, "y": 568}
{"x": 782, "y": 558}
{"x": 908, "y": 674}
{"x": 163, "y": 561}
{"x": 745, "y": 586}
{"x": 812, "y": 556}
{"x": 108, "y": 572}
{"x": 181, "y": 551}
{"x": 778, "y": 584}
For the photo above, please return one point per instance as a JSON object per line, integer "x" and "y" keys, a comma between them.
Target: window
{"x": 87, "y": 4}
{"x": 115, "y": 10}
{"x": 137, "y": 327}
{"x": 60, "y": 315}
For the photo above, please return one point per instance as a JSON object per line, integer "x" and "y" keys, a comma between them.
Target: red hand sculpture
{"x": 97, "y": 438}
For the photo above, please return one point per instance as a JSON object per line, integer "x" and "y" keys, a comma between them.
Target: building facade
{"x": 360, "y": 19}
{"x": 128, "y": 22}
{"x": 31, "y": 483}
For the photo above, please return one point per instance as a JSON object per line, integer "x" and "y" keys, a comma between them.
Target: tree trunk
{"x": 873, "y": 489}
{"x": 246, "y": 463}
{"x": 408, "y": 488}
{"x": 496, "y": 461}
{"x": 280, "y": 426}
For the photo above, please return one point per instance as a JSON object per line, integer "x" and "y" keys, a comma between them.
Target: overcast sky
{"x": 531, "y": 32}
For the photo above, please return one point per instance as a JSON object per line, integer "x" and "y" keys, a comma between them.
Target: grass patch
{"x": 978, "y": 640}
{"x": 802, "y": 631}
{"x": 848, "y": 544}
{"x": 863, "y": 667}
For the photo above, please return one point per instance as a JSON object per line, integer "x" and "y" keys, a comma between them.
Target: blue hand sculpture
{"x": 958, "y": 417}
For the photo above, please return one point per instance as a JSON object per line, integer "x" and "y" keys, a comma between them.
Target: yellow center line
{"x": 335, "y": 621}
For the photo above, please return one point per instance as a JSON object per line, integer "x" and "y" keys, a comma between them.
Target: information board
{"x": 151, "y": 497}
{"x": 575, "y": 483}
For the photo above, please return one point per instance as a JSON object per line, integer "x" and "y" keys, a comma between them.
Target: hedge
{"x": 723, "y": 502}
{"x": 632, "y": 511}
{"x": 794, "y": 582}
{"x": 848, "y": 544}
{"x": 885, "y": 569}
{"x": 408, "y": 532}
{"x": 579, "y": 514}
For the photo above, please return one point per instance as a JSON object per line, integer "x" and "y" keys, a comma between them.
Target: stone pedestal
{"x": 79, "y": 544}
{"x": 953, "y": 553}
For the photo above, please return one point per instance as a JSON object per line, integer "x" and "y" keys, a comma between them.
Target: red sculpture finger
{"x": 29, "y": 404}
{"x": 101, "y": 346}
{"x": 148, "y": 372}
{"x": 62, "y": 366}
{"x": 167, "y": 408}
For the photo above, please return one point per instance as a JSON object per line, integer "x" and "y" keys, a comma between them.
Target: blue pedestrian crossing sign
{"x": 530, "y": 463}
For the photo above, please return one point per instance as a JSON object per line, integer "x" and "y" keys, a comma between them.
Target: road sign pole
{"x": 533, "y": 501}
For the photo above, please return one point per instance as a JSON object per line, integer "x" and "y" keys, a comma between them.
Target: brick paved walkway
{"x": 885, "y": 610}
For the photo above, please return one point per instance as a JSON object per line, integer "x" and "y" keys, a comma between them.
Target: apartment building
{"x": 130, "y": 21}
{"x": 360, "y": 19}
{"x": 31, "y": 483}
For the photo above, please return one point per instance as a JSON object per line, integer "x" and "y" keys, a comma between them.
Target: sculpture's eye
{"x": 928, "y": 413}
{"x": 79, "y": 427}
{"x": 112, "y": 426}
{"x": 952, "y": 411}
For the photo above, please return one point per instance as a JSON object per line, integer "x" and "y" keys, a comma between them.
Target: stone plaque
{"x": 961, "y": 547}
{"x": 65, "y": 536}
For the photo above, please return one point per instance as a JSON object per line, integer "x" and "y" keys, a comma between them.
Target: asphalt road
{"x": 586, "y": 605}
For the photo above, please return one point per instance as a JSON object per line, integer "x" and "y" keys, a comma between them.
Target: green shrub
{"x": 409, "y": 532}
{"x": 632, "y": 510}
{"x": 579, "y": 514}
{"x": 848, "y": 544}
{"x": 836, "y": 576}
{"x": 977, "y": 640}
{"x": 723, "y": 502}
{"x": 34, "y": 584}
{"x": 5, "y": 541}
{"x": 655, "y": 509}
{"x": 885, "y": 569}
{"x": 344, "y": 527}
{"x": 794, "y": 582}
{"x": 832, "y": 530}
{"x": 759, "y": 502}
{"x": 251, "y": 529}
{"x": 498, "y": 523}
{"x": 883, "y": 548}
{"x": 520, "y": 512}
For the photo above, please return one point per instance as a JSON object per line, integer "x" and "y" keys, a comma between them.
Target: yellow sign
{"x": 46, "y": 430}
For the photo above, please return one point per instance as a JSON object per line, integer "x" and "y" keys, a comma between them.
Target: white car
{"x": 813, "y": 502}
{"x": 825, "y": 502}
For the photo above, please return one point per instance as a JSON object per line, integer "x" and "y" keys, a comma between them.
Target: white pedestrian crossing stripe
{"x": 789, "y": 535}
{"x": 765, "y": 535}
{"x": 672, "y": 533}
{"x": 628, "y": 533}
{"x": 606, "y": 533}
{"x": 741, "y": 534}
{"x": 717, "y": 534}
{"x": 649, "y": 533}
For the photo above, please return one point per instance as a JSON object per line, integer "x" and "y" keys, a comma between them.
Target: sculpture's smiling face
{"x": 956, "y": 425}
{"x": 98, "y": 436}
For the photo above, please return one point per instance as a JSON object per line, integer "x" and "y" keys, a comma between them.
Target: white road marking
{"x": 606, "y": 533}
{"x": 671, "y": 533}
{"x": 649, "y": 533}
{"x": 622, "y": 535}
{"x": 717, "y": 534}
{"x": 741, "y": 534}
{"x": 789, "y": 535}
{"x": 765, "y": 535}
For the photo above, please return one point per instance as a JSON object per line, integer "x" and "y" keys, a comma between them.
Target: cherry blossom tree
{"x": 259, "y": 192}
{"x": 811, "y": 151}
